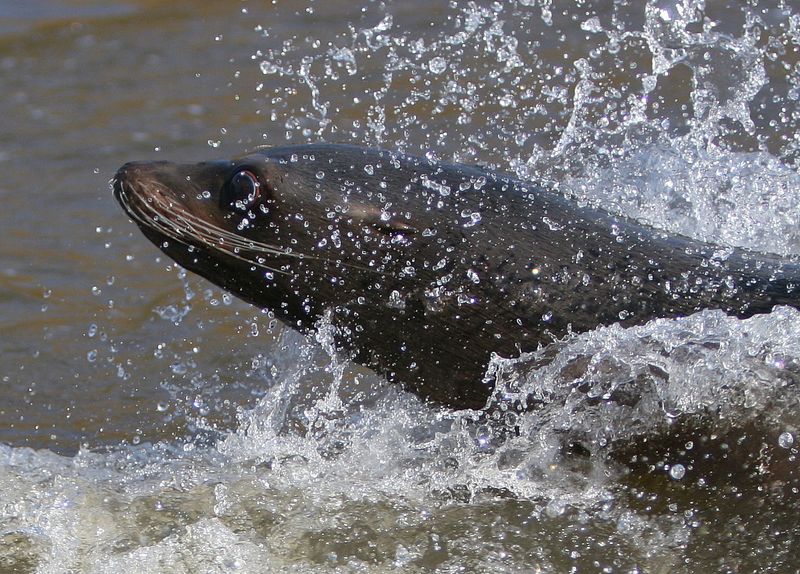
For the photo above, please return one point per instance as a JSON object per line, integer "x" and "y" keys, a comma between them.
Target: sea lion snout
{"x": 136, "y": 179}
{"x": 135, "y": 170}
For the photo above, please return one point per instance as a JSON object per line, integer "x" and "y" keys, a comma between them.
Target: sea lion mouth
{"x": 164, "y": 216}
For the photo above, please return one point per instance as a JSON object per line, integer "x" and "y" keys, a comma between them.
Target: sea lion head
{"x": 294, "y": 232}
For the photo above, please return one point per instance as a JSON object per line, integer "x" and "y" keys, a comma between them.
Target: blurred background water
{"x": 149, "y": 422}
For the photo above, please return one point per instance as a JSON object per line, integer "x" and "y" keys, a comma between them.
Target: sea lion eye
{"x": 244, "y": 190}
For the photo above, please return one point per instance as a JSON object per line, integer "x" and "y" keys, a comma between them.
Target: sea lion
{"x": 426, "y": 269}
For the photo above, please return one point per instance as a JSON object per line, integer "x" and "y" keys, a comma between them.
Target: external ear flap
{"x": 370, "y": 216}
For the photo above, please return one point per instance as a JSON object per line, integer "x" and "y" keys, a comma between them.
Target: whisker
{"x": 171, "y": 230}
{"x": 234, "y": 239}
{"x": 178, "y": 224}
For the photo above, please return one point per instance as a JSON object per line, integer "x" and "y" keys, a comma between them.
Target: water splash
{"x": 305, "y": 463}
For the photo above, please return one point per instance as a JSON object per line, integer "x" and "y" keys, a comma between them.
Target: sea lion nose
{"x": 129, "y": 179}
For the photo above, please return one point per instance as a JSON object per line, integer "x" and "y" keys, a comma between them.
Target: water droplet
{"x": 677, "y": 471}
{"x": 179, "y": 369}
{"x": 474, "y": 217}
{"x": 786, "y": 440}
{"x": 592, "y": 25}
{"x": 268, "y": 67}
{"x": 437, "y": 65}
{"x": 553, "y": 225}
{"x": 396, "y": 300}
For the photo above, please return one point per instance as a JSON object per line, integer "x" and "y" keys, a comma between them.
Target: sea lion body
{"x": 428, "y": 268}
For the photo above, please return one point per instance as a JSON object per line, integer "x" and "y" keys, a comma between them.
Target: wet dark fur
{"x": 419, "y": 288}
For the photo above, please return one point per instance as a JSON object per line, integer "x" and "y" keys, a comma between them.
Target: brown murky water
{"x": 148, "y": 422}
{"x": 88, "y": 87}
